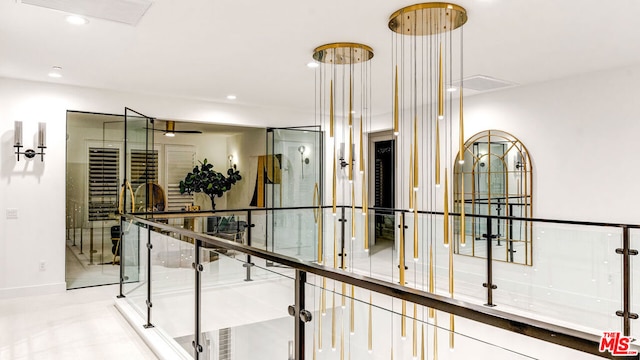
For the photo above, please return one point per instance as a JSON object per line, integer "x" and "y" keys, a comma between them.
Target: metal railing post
{"x": 248, "y": 264}
{"x": 626, "y": 252}
{"x": 197, "y": 266}
{"x": 91, "y": 249}
{"x": 81, "y": 238}
{"x": 343, "y": 223}
{"x": 121, "y": 251}
{"x": 300, "y": 314}
{"x": 149, "y": 303}
{"x": 489, "y": 284}
{"x": 403, "y": 227}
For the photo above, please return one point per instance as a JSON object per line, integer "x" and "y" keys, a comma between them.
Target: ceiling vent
{"x": 123, "y": 11}
{"x": 484, "y": 83}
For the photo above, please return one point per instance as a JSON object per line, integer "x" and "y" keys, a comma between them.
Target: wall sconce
{"x": 29, "y": 153}
{"x": 231, "y": 164}
{"x": 301, "y": 150}
{"x": 341, "y": 160}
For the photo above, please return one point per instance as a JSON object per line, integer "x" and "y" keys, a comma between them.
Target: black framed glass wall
{"x": 158, "y": 154}
{"x": 95, "y": 154}
{"x": 293, "y": 179}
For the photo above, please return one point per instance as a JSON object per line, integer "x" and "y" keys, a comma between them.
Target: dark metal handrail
{"x": 390, "y": 210}
{"x": 559, "y": 335}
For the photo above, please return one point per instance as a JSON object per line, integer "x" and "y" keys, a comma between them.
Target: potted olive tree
{"x": 208, "y": 181}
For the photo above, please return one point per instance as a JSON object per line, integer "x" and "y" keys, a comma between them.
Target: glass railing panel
{"x": 381, "y": 259}
{"x": 230, "y": 267}
{"x": 291, "y": 233}
{"x": 422, "y": 243}
{"x": 469, "y": 272}
{"x": 245, "y": 319}
{"x": 634, "y": 285}
{"x": 133, "y": 260}
{"x": 358, "y": 245}
{"x": 366, "y": 325}
{"x": 173, "y": 286}
{"x": 575, "y": 279}
{"x": 416, "y": 250}
{"x": 259, "y": 229}
{"x": 229, "y": 225}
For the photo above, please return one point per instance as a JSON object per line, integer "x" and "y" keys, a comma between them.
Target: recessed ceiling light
{"x": 231, "y": 97}
{"x": 77, "y": 20}
{"x": 313, "y": 64}
{"x": 56, "y": 72}
{"x": 169, "y": 134}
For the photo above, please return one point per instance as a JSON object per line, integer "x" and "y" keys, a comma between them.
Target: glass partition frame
{"x": 296, "y": 154}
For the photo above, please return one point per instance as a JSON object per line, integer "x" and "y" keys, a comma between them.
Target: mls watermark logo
{"x": 616, "y": 344}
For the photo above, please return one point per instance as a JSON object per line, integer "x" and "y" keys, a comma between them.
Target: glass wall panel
{"x": 95, "y": 156}
{"x": 293, "y": 179}
{"x": 140, "y": 166}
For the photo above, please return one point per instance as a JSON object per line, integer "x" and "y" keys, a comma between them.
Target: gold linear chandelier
{"x": 427, "y": 76}
{"x": 343, "y": 89}
{"x": 342, "y": 106}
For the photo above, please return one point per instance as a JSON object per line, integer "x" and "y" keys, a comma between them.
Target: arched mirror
{"x": 494, "y": 179}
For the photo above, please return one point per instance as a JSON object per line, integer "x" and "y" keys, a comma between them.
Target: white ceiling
{"x": 258, "y": 50}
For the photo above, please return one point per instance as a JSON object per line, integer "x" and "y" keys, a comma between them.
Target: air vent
{"x": 484, "y": 83}
{"x": 124, "y": 11}
{"x": 224, "y": 338}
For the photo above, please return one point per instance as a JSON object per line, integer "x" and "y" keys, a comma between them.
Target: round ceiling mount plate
{"x": 343, "y": 53}
{"x": 427, "y": 18}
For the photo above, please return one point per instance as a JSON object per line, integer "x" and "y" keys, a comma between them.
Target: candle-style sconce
{"x": 303, "y": 160}
{"x": 231, "y": 164}
{"x": 29, "y": 153}
{"x": 341, "y": 157}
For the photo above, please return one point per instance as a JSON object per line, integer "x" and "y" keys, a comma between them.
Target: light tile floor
{"x": 82, "y": 271}
{"x": 77, "y": 324}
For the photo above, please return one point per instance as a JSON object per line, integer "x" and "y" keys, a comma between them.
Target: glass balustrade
{"x": 576, "y": 281}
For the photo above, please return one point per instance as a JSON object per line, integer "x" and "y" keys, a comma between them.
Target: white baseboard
{"x": 158, "y": 341}
{"x": 46, "y": 289}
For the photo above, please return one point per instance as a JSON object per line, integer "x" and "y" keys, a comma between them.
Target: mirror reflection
{"x": 495, "y": 179}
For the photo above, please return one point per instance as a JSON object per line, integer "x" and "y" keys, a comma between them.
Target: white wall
{"x": 581, "y": 134}
{"x": 245, "y": 148}
{"x": 36, "y": 188}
